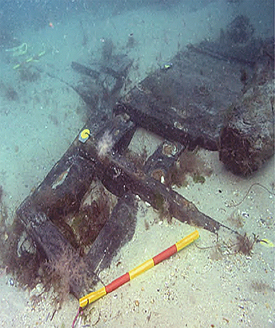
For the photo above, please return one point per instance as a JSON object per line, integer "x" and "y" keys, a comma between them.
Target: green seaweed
{"x": 197, "y": 178}
{"x": 159, "y": 201}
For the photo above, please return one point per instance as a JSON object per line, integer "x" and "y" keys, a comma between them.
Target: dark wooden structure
{"x": 185, "y": 103}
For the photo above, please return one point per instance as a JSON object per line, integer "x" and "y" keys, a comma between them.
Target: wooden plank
{"x": 119, "y": 180}
{"x": 43, "y": 213}
{"x": 117, "y": 231}
{"x": 163, "y": 159}
{"x": 119, "y": 177}
{"x": 60, "y": 254}
{"x": 247, "y": 138}
{"x": 65, "y": 185}
{"x": 186, "y": 102}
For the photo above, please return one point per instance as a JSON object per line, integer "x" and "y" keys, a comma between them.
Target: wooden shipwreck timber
{"x": 86, "y": 206}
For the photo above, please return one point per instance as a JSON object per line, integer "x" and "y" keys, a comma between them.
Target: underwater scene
{"x": 137, "y": 178}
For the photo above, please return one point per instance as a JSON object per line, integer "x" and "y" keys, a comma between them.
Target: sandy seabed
{"x": 197, "y": 287}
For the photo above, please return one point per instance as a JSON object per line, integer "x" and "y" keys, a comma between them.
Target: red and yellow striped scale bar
{"x": 92, "y": 297}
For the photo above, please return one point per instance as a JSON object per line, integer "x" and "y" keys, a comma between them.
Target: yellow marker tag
{"x": 267, "y": 243}
{"x": 84, "y": 135}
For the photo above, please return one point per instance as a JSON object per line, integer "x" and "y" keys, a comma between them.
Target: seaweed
{"x": 189, "y": 163}
{"x": 163, "y": 207}
{"x": 240, "y": 30}
{"x": 197, "y": 178}
{"x": 250, "y": 188}
{"x": 8, "y": 92}
{"x": 61, "y": 272}
{"x": 28, "y": 74}
{"x": 90, "y": 220}
{"x": 244, "y": 244}
{"x": 19, "y": 254}
{"x": 236, "y": 219}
